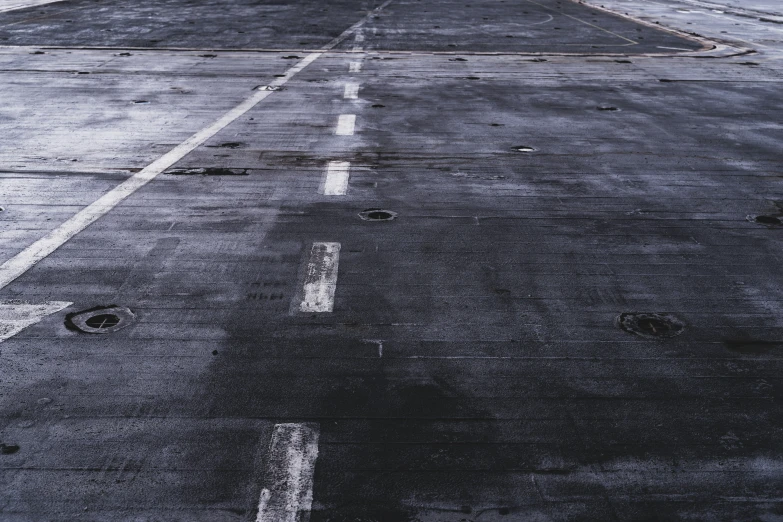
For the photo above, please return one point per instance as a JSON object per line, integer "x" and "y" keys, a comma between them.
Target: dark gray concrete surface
{"x": 407, "y": 25}
{"x": 472, "y": 368}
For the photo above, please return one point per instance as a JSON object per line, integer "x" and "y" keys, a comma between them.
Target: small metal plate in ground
{"x": 651, "y": 325}
{"x": 101, "y": 319}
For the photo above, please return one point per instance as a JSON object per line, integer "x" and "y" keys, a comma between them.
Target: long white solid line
{"x": 355, "y": 67}
{"x": 27, "y": 258}
{"x": 336, "y": 178}
{"x": 320, "y": 281}
{"x": 24, "y": 5}
{"x": 346, "y": 125}
{"x": 16, "y": 316}
{"x": 288, "y": 495}
{"x": 351, "y": 91}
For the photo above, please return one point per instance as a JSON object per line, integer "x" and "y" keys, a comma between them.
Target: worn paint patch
{"x": 346, "y": 125}
{"x": 15, "y": 316}
{"x": 288, "y": 492}
{"x": 336, "y": 178}
{"x": 321, "y": 278}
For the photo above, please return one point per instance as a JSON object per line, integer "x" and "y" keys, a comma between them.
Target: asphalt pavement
{"x": 401, "y": 261}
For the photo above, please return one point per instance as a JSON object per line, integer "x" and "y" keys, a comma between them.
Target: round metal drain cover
{"x": 652, "y": 325}
{"x": 770, "y": 221}
{"x": 524, "y": 148}
{"x": 377, "y": 214}
{"x": 101, "y": 319}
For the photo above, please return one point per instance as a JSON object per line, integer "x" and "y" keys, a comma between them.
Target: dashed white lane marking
{"x": 355, "y": 67}
{"x": 288, "y": 495}
{"x": 16, "y": 316}
{"x": 346, "y": 125}
{"x": 27, "y": 258}
{"x": 359, "y": 38}
{"x": 351, "y": 91}
{"x": 320, "y": 281}
{"x": 336, "y": 178}
{"x": 13, "y": 6}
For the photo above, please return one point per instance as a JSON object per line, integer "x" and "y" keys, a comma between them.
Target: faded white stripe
{"x": 27, "y": 258}
{"x": 346, "y": 125}
{"x": 355, "y": 67}
{"x": 336, "y": 178}
{"x": 288, "y": 492}
{"x": 320, "y": 281}
{"x": 351, "y": 91}
{"x": 15, "y": 316}
{"x": 13, "y": 6}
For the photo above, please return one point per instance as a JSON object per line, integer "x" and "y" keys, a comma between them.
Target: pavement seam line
{"x": 15, "y": 267}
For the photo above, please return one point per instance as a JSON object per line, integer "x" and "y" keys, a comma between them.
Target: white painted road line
{"x": 359, "y": 38}
{"x": 16, "y": 316}
{"x": 27, "y": 258}
{"x": 346, "y": 125}
{"x": 351, "y": 91}
{"x": 336, "y": 178}
{"x": 355, "y": 67}
{"x": 288, "y": 495}
{"x": 320, "y": 281}
{"x": 13, "y": 6}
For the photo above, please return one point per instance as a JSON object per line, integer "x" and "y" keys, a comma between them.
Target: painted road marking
{"x": 336, "y": 178}
{"x": 321, "y": 278}
{"x": 359, "y": 38}
{"x": 355, "y": 67}
{"x": 346, "y": 125}
{"x": 4, "y": 8}
{"x": 288, "y": 495}
{"x": 351, "y": 91}
{"x": 16, "y": 316}
{"x": 27, "y": 258}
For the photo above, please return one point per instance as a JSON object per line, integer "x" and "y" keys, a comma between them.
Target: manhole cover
{"x": 9, "y": 449}
{"x": 101, "y": 319}
{"x": 652, "y": 325}
{"x": 770, "y": 221}
{"x": 524, "y": 148}
{"x": 377, "y": 214}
